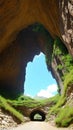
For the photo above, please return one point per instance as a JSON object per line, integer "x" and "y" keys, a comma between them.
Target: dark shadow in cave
{"x": 37, "y": 115}
{"x": 29, "y": 42}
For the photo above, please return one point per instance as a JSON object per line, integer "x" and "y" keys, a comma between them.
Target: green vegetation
{"x": 32, "y": 103}
{"x": 68, "y": 81}
{"x": 63, "y": 113}
{"x": 59, "y": 47}
{"x": 10, "y": 109}
{"x": 52, "y": 100}
{"x": 10, "y": 105}
{"x": 25, "y": 101}
{"x": 65, "y": 61}
{"x": 58, "y": 107}
{"x": 65, "y": 116}
{"x": 29, "y": 102}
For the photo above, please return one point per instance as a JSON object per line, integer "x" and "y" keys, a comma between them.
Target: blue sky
{"x": 39, "y": 80}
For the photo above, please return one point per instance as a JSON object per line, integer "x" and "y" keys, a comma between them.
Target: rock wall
{"x": 13, "y": 62}
{"x": 16, "y": 15}
{"x": 27, "y": 111}
{"x": 66, "y": 23}
{"x": 18, "y": 47}
{"x": 57, "y": 75}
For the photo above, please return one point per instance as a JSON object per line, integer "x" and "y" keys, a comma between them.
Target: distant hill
{"x": 39, "y": 98}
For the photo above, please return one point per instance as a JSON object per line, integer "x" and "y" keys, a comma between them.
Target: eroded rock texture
{"x": 13, "y": 62}
{"x": 66, "y": 17}
{"x": 16, "y": 15}
{"x": 18, "y": 47}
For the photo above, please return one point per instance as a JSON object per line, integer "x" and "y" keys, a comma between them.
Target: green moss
{"x": 13, "y": 111}
{"x": 59, "y": 47}
{"x": 65, "y": 61}
{"x": 60, "y": 67}
{"x": 68, "y": 81}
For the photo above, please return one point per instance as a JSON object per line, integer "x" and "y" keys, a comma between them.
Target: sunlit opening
{"x": 37, "y": 117}
{"x": 39, "y": 81}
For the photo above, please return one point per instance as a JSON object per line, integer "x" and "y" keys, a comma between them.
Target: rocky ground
{"x": 6, "y": 120}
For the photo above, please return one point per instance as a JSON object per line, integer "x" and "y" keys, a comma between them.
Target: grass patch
{"x": 6, "y": 106}
{"x": 68, "y": 81}
{"x": 54, "y": 109}
{"x": 64, "y": 114}
{"x": 53, "y": 100}
{"x": 65, "y": 117}
{"x": 31, "y": 102}
{"x": 25, "y": 101}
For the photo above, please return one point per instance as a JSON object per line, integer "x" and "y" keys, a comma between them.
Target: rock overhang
{"x": 18, "y": 15}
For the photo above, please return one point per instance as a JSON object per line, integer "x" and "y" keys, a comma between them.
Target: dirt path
{"x": 38, "y": 126}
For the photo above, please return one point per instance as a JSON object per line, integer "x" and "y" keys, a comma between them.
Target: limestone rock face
{"x": 17, "y": 48}
{"x": 13, "y": 62}
{"x": 66, "y": 24}
{"x": 16, "y": 15}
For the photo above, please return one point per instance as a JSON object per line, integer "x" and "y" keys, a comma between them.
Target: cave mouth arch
{"x": 29, "y": 42}
{"x": 37, "y": 115}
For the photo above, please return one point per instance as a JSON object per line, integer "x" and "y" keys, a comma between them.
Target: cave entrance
{"x": 37, "y": 115}
{"x": 29, "y": 43}
{"x": 39, "y": 81}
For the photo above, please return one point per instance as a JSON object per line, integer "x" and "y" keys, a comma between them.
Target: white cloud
{"x": 28, "y": 95}
{"x": 49, "y": 92}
